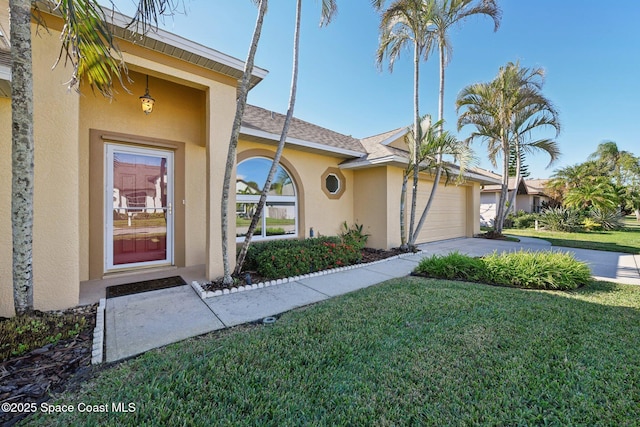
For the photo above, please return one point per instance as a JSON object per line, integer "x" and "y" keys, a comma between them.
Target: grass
{"x": 410, "y": 351}
{"x": 626, "y": 240}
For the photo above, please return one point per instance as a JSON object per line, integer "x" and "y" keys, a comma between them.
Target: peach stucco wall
{"x": 56, "y": 235}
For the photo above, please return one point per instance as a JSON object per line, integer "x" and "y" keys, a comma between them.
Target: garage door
{"x": 447, "y": 217}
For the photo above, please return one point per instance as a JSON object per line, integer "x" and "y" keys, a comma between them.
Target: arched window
{"x": 279, "y": 217}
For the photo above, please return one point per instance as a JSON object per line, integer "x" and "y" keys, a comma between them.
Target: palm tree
{"x": 504, "y": 112}
{"x": 599, "y": 194}
{"x": 328, "y": 10}
{"x": 406, "y": 23}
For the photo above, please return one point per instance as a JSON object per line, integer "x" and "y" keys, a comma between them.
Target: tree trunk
{"x": 423, "y": 217}
{"x": 283, "y": 137}
{"x": 513, "y": 196}
{"x": 637, "y": 212}
{"x": 403, "y": 204}
{"x": 436, "y": 181}
{"x": 22, "y": 155}
{"x": 505, "y": 189}
{"x": 441, "y": 91}
{"x": 417, "y": 135}
{"x": 233, "y": 143}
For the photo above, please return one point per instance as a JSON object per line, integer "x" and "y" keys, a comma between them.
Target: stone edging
{"x": 197, "y": 287}
{"x": 98, "y": 334}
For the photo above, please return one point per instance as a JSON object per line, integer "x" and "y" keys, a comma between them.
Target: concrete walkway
{"x": 140, "y": 322}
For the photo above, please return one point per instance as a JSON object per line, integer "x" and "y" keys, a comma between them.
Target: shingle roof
{"x": 271, "y": 122}
{"x": 532, "y": 186}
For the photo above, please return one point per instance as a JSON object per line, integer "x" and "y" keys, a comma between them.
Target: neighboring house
{"x": 118, "y": 192}
{"x": 531, "y": 197}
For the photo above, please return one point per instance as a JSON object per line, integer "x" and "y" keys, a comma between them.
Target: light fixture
{"x": 147, "y": 100}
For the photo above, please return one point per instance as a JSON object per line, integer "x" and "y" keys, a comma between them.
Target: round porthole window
{"x": 332, "y": 183}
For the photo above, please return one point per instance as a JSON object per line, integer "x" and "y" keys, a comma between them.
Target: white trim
{"x": 337, "y": 179}
{"x": 163, "y": 36}
{"x": 395, "y": 136}
{"x": 299, "y": 142}
{"x": 110, "y": 149}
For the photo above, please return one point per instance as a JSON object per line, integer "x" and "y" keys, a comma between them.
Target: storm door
{"x": 139, "y": 207}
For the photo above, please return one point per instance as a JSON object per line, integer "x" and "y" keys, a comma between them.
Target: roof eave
{"x": 300, "y": 143}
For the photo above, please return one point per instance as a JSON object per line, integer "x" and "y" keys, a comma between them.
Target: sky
{"x": 589, "y": 49}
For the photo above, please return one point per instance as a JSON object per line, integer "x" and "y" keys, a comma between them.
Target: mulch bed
{"x": 368, "y": 255}
{"x": 31, "y": 377}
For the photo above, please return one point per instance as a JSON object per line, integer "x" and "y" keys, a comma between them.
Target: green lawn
{"x": 410, "y": 351}
{"x": 626, "y": 240}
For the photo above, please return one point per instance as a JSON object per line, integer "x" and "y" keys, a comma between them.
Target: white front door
{"x": 138, "y": 207}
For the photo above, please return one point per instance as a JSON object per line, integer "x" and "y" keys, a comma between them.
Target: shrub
{"x": 354, "y": 235}
{"x": 528, "y": 220}
{"x": 285, "y": 258}
{"x": 590, "y": 225}
{"x": 530, "y": 270}
{"x": 607, "y": 219}
{"x": 453, "y": 266}
{"x": 537, "y": 270}
{"x": 561, "y": 219}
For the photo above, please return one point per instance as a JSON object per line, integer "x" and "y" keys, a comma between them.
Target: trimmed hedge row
{"x": 286, "y": 258}
{"x": 524, "y": 269}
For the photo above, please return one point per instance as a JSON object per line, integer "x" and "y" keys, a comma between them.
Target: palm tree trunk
{"x": 283, "y": 137}
{"x": 441, "y": 91}
{"x": 436, "y": 181}
{"x": 423, "y": 217}
{"x": 505, "y": 189}
{"x": 512, "y": 197}
{"x": 403, "y": 205}
{"x": 233, "y": 143}
{"x": 22, "y": 155}
{"x": 417, "y": 136}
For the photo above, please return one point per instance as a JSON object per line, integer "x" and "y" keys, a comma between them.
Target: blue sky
{"x": 589, "y": 49}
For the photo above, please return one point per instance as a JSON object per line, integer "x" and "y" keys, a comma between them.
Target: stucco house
{"x": 530, "y": 197}
{"x": 120, "y": 193}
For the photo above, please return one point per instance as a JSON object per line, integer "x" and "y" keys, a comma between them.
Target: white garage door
{"x": 447, "y": 217}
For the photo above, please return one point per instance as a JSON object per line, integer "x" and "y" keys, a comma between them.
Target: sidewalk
{"x": 140, "y": 322}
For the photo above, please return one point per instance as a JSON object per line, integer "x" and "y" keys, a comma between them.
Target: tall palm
{"x": 504, "y": 112}
{"x": 88, "y": 47}
{"x": 406, "y": 23}
{"x": 328, "y": 10}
